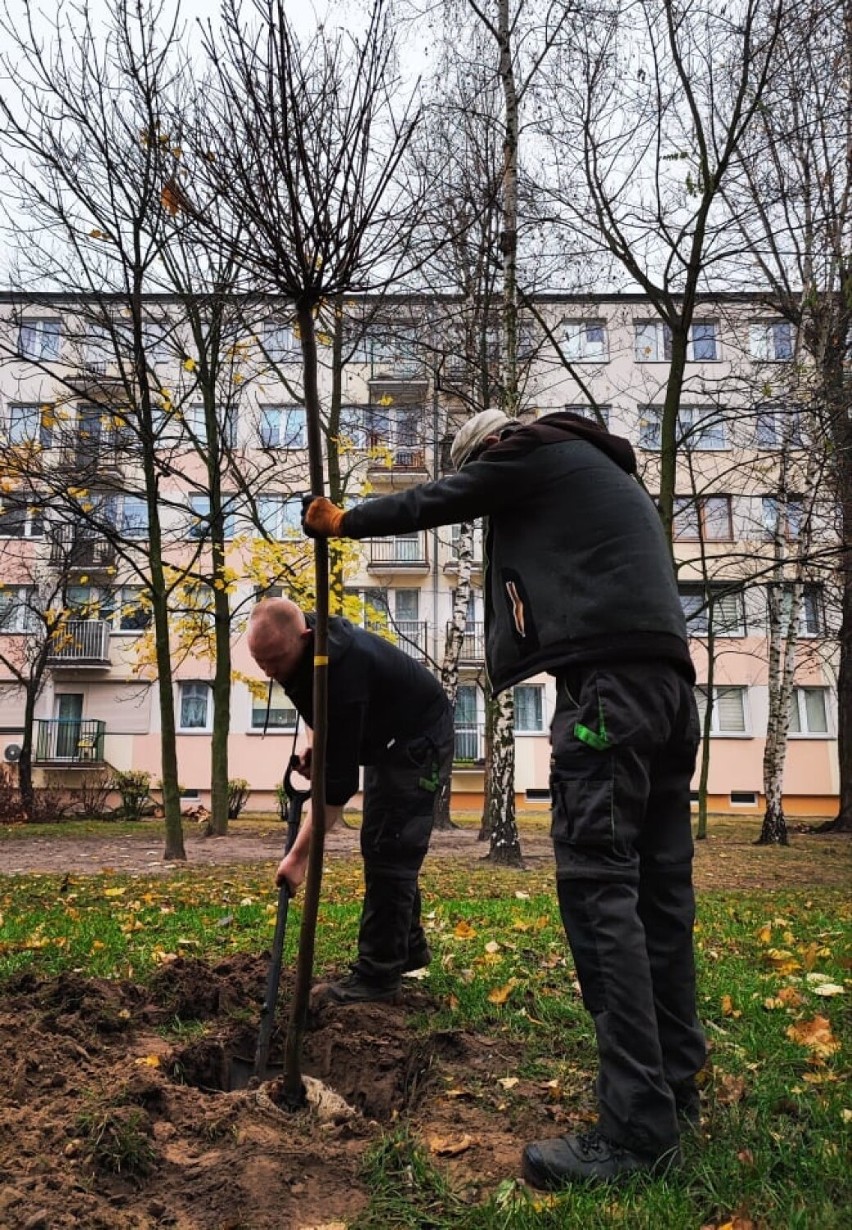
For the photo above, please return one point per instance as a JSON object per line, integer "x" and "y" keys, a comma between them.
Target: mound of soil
{"x": 117, "y": 1106}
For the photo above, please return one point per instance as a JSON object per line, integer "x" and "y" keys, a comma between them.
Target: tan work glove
{"x": 321, "y": 518}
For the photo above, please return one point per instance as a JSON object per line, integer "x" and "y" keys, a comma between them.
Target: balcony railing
{"x": 473, "y": 643}
{"x": 395, "y": 457}
{"x": 81, "y": 642}
{"x": 409, "y": 635}
{"x": 469, "y": 744}
{"x": 69, "y": 741}
{"x": 398, "y": 552}
{"x": 75, "y": 547}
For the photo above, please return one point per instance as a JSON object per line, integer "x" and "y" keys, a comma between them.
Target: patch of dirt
{"x": 110, "y": 1121}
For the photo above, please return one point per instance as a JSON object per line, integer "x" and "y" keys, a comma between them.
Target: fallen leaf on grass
{"x": 447, "y": 1146}
{"x": 729, "y": 1089}
{"x": 148, "y": 1061}
{"x": 463, "y": 931}
{"x": 745, "y": 1157}
{"x": 492, "y": 946}
{"x": 827, "y": 989}
{"x": 846, "y": 1116}
{"x": 815, "y": 1035}
{"x": 790, "y": 997}
{"x": 820, "y": 1078}
{"x": 782, "y": 961}
{"x": 499, "y": 995}
{"x": 508, "y": 1082}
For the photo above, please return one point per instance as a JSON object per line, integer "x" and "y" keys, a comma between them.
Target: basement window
{"x": 743, "y": 798}
{"x": 536, "y": 794}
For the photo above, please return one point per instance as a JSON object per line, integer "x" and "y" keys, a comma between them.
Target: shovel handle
{"x": 297, "y": 799}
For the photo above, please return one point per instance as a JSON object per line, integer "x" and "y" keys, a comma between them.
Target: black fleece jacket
{"x": 577, "y": 565}
{"x": 379, "y": 699}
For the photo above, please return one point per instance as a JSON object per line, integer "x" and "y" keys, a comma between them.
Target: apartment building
{"x": 74, "y": 522}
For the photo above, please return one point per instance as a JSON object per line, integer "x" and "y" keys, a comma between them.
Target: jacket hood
{"x": 558, "y": 429}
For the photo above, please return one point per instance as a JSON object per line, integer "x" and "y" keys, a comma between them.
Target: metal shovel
{"x": 296, "y": 801}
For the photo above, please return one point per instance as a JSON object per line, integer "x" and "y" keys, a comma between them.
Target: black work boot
{"x": 353, "y": 989}
{"x": 551, "y": 1164}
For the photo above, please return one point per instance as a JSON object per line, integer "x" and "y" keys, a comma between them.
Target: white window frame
{"x": 45, "y": 332}
{"x": 280, "y": 516}
{"x": 536, "y": 689}
{"x": 722, "y": 694}
{"x": 25, "y": 424}
{"x": 652, "y": 341}
{"x": 691, "y": 356}
{"x": 595, "y": 413}
{"x": 799, "y": 713}
{"x": 199, "y": 517}
{"x": 32, "y": 524}
{"x": 284, "y": 721}
{"x": 707, "y": 428}
{"x": 733, "y": 600}
{"x": 188, "y": 690}
{"x": 124, "y": 598}
{"x": 16, "y": 604}
{"x": 770, "y": 510}
{"x": 279, "y": 342}
{"x": 811, "y": 611}
{"x": 134, "y": 526}
{"x": 578, "y": 346}
{"x": 771, "y": 341}
{"x": 693, "y": 512}
{"x": 282, "y": 426}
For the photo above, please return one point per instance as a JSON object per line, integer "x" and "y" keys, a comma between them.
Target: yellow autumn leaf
{"x": 508, "y": 1082}
{"x": 189, "y": 365}
{"x": 764, "y": 935}
{"x": 464, "y": 931}
{"x": 148, "y": 1061}
{"x": 114, "y": 892}
{"x": 815, "y": 1035}
{"x": 790, "y": 997}
{"x": 499, "y": 995}
{"x": 448, "y": 1146}
{"x": 727, "y": 1005}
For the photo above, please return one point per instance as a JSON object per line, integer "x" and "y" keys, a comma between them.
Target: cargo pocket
{"x": 583, "y": 812}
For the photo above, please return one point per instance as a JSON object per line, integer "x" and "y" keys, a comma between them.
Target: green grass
{"x": 776, "y": 1132}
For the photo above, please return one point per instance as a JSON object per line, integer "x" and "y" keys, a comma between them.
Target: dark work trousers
{"x": 400, "y": 792}
{"x": 624, "y": 741}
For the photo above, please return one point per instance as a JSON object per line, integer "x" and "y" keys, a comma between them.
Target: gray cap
{"x": 471, "y": 434}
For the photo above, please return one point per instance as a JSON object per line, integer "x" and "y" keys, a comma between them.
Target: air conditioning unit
{"x": 12, "y": 753}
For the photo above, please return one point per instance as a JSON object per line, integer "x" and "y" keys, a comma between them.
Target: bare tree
{"x": 790, "y": 200}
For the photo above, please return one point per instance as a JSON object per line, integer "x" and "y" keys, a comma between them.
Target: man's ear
{"x": 306, "y": 634}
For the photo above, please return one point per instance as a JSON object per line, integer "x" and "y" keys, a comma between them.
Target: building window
{"x": 529, "y": 708}
{"x": 40, "y": 339}
{"x": 703, "y": 519}
{"x": 779, "y": 425}
{"x": 200, "y": 527}
{"x": 18, "y": 519}
{"x": 17, "y": 612}
{"x": 282, "y": 715}
{"x": 31, "y": 424}
{"x": 283, "y": 427}
{"x": 195, "y": 708}
{"x": 784, "y": 514}
{"x": 808, "y": 711}
{"x": 726, "y": 608}
{"x": 653, "y": 342}
{"x": 729, "y": 710}
{"x": 279, "y": 516}
{"x": 598, "y": 414}
{"x": 702, "y": 342}
{"x": 699, "y": 428}
{"x": 279, "y": 342}
{"x": 353, "y": 426}
{"x": 157, "y": 342}
{"x": 771, "y": 340}
{"x": 134, "y": 517}
{"x": 811, "y": 609}
{"x": 196, "y": 423}
{"x": 702, "y": 428}
{"x": 132, "y": 612}
{"x": 584, "y": 341}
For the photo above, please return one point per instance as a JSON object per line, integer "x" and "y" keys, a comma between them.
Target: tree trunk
{"x": 221, "y": 700}
{"x": 706, "y": 725}
{"x": 25, "y": 764}
{"x": 504, "y": 846}
{"x": 450, "y": 662}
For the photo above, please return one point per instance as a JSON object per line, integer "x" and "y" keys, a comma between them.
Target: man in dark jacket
{"x": 389, "y": 714}
{"x": 579, "y": 583}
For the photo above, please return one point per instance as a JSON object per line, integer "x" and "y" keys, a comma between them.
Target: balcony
{"x": 409, "y": 635}
{"x": 407, "y": 554}
{"x": 77, "y": 548}
{"x": 81, "y": 642}
{"x": 469, "y": 750}
{"x": 473, "y": 643}
{"x": 398, "y": 466}
{"x": 69, "y": 742}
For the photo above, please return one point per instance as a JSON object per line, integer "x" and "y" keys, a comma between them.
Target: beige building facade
{"x": 748, "y": 458}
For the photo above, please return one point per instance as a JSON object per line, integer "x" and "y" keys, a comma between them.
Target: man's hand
{"x": 291, "y": 869}
{"x": 303, "y": 768}
{"x": 321, "y": 518}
